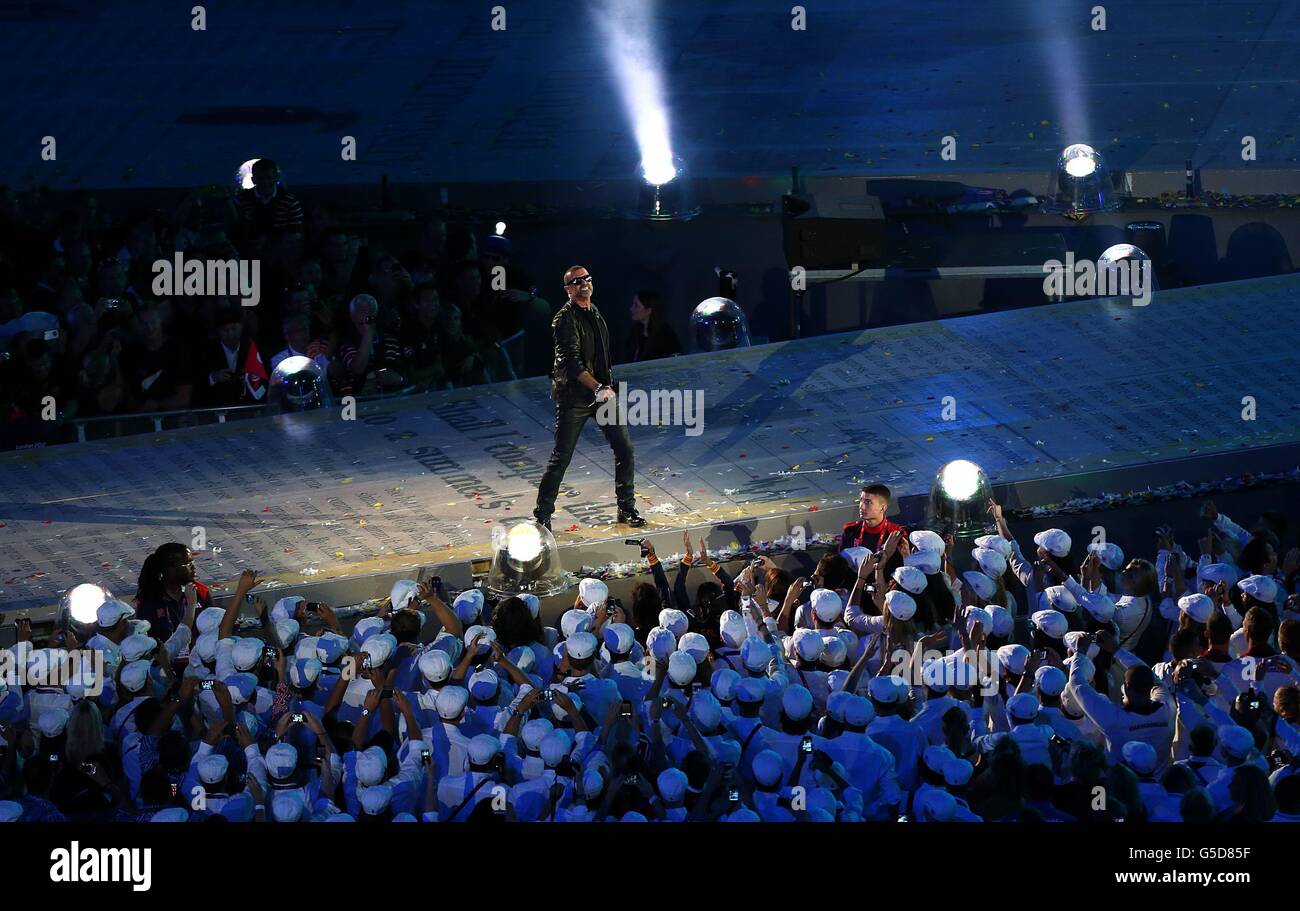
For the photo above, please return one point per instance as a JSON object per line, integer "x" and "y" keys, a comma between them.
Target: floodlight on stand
{"x": 719, "y": 324}
{"x": 959, "y": 500}
{"x": 525, "y": 559}
{"x": 81, "y": 603}
{"x": 1080, "y": 184}
{"x": 664, "y": 191}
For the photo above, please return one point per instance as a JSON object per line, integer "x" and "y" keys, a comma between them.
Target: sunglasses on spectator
{"x": 578, "y": 280}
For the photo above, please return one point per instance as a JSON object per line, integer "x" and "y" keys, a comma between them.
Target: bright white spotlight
{"x": 501, "y": 228}
{"x": 960, "y": 479}
{"x": 1080, "y": 160}
{"x": 83, "y": 601}
{"x": 244, "y": 177}
{"x": 657, "y": 173}
{"x": 524, "y": 543}
{"x": 958, "y": 499}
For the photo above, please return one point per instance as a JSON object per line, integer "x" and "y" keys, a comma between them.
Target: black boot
{"x": 544, "y": 522}
{"x": 631, "y": 517}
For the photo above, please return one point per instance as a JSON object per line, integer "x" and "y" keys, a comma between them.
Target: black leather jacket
{"x": 575, "y": 351}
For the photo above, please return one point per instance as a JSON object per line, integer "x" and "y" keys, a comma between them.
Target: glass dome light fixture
{"x": 298, "y": 384}
{"x": 525, "y": 559}
{"x": 1119, "y": 263}
{"x": 1080, "y": 184}
{"x": 959, "y": 498}
{"x": 244, "y": 176}
{"x": 719, "y": 325}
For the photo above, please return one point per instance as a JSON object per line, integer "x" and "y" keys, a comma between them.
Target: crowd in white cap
{"x": 893, "y": 685}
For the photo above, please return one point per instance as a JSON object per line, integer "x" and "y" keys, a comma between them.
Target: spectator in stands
{"x": 231, "y": 368}
{"x": 157, "y": 366}
{"x": 422, "y": 339}
{"x": 298, "y": 341}
{"x": 651, "y": 335}
{"x": 371, "y": 351}
{"x": 265, "y": 209}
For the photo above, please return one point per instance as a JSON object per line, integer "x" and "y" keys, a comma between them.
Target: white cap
{"x": 482, "y": 749}
{"x": 723, "y": 684}
{"x": 888, "y": 690}
{"x": 468, "y": 605}
{"x": 1261, "y": 588}
{"x": 807, "y": 644}
{"x": 281, "y": 760}
{"x": 1001, "y": 623}
{"x": 1054, "y": 541}
{"x": 1141, "y": 757}
{"x": 706, "y": 712}
{"x": 995, "y": 542}
{"x": 133, "y": 648}
{"x": 826, "y": 604}
{"x": 580, "y": 645}
{"x": 375, "y": 800}
{"x": 206, "y": 647}
{"x": 859, "y": 712}
{"x": 674, "y": 621}
{"x": 1219, "y": 572}
{"x": 834, "y": 651}
{"x": 286, "y": 631}
{"x": 486, "y": 636}
{"x": 974, "y": 615}
{"x": 213, "y": 768}
{"x": 532, "y": 732}
{"x": 1022, "y": 707}
{"x": 910, "y": 579}
{"x": 1111, "y": 556}
{"x": 171, "y": 814}
{"x": 304, "y": 672}
{"x": 619, "y": 638}
{"x": 991, "y": 562}
{"x": 1052, "y": 623}
{"x": 435, "y": 665}
{"x": 134, "y": 676}
{"x": 1013, "y": 657}
{"x": 593, "y": 592}
{"x": 285, "y": 608}
{"x": 305, "y": 647}
{"x": 209, "y": 619}
{"x": 371, "y": 765}
{"x": 732, "y": 629}
{"x": 52, "y": 722}
{"x": 957, "y": 772}
{"x": 287, "y": 806}
{"x": 1099, "y": 606}
{"x": 982, "y": 585}
{"x": 1235, "y": 742}
{"x": 1057, "y": 597}
{"x": 935, "y": 805}
{"x": 246, "y": 652}
{"x": 756, "y": 655}
{"x": 484, "y": 684}
{"x": 900, "y": 604}
{"x": 450, "y": 702}
{"x": 767, "y": 768}
{"x": 534, "y": 606}
{"x": 927, "y": 561}
{"x": 672, "y": 785}
{"x": 855, "y": 555}
{"x": 1197, "y": 606}
{"x": 592, "y": 783}
{"x": 380, "y": 648}
{"x": 660, "y": 643}
{"x": 553, "y": 748}
{"x": 367, "y": 627}
{"x": 1049, "y": 680}
{"x": 403, "y": 593}
{"x": 924, "y": 539}
{"x": 110, "y": 612}
{"x": 681, "y": 668}
{"x": 796, "y": 702}
{"x": 575, "y": 620}
{"x": 695, "y": 645}
{"x": 936, "y": 756}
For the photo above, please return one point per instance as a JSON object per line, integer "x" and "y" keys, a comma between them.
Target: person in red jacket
{"x": 159, "y": 596}
{"x": 873, "y": 528}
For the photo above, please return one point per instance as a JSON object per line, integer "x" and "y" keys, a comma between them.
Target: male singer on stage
{"x": 581, "y": 379}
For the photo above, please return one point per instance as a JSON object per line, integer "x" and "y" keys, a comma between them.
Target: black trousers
{"x": 570, "y": 418}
